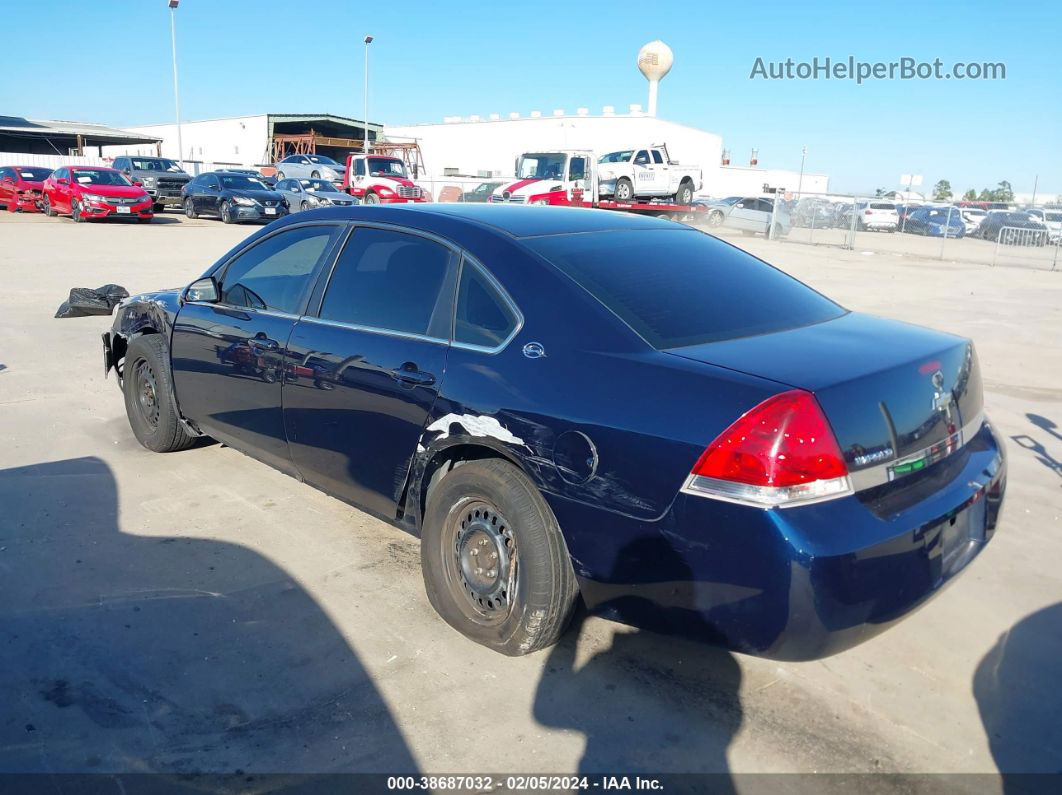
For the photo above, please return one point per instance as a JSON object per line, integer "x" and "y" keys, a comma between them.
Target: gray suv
{"x": 161, "y": 177}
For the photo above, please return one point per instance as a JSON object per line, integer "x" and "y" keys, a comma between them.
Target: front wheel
{"x": 304, "y": 206}
{"x": 75, "y": 211}
{"x": 624, "y": 190}
{"x": 494, "y": 561}
{"x": 189, "y": 208}
{"x": 715, "y": 218}
{"x": 372, "y": 198}
{"x": 315, "y": 175}
{"x": 280, "y": 176}
{"x": 48, "y": 209}
{"x": 148, "y": 392}
{"x": 226, "y": 213}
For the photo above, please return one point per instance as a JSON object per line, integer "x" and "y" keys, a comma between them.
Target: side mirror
{"x": 62, "y": 181}
{"x": 204, "y": 291}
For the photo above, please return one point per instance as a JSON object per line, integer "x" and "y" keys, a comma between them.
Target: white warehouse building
{"x": 488, "y": 147}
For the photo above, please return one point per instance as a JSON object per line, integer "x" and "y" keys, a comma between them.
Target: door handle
{"x": 409, "y": 374}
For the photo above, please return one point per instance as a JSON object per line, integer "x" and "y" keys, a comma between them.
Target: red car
{"x": 20, "y": 187}
{"x": 89, "y": 192}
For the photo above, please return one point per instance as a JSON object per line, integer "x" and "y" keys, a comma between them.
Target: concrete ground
{"x": 201, "y": 612}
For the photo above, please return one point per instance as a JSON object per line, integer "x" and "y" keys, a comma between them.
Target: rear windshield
{"x": 677, "y": 287}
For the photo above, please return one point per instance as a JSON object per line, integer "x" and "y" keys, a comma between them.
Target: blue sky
{"x": 434, "y": 59}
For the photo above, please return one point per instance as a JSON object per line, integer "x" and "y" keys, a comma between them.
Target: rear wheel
{"x": 685, "y": 194}
{"x": 148, "y": 394}
{"x": 494, "y": 562}
{"x": 624, "y": 190}
{"x": 189, "y": 208}
{"x": 47, "y": 206}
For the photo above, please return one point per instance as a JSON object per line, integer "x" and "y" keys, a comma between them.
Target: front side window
{"x": 392, "y": 281}
{"x": 642, "y": 158}
{"x": 482, "y": 318}
{"x": 276, "y": 273}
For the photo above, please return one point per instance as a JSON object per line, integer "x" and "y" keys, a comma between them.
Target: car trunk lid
{"x": 897, "y": 396}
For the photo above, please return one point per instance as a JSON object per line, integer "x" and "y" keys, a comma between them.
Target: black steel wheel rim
{"x": 481, "y": 561}
{"x": 146, "y": 393}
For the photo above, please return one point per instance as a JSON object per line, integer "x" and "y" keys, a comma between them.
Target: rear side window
{"x": 483, "y": 318}
{"x": 276, "y": 273}
{"x": 392, "y": 281}
{"x": 657, "y": 157}
{"x": 677, "y": 287}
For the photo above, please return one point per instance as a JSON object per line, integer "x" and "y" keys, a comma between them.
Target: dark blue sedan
{"x": 936, "y": 222}
{"x": 572, "y": 404}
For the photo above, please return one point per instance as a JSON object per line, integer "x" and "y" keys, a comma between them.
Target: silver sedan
{"x": 306, "y": 194}
{"x": 310, "y": 167}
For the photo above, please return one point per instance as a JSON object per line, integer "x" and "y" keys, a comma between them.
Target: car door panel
{"x": 365, "y": 372}
{"x": 355, "y": 403}
{"x": 229, "y": 358}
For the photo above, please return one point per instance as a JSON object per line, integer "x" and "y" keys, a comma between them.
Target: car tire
{"x": 715, "y": 218}
{"x": 226, "y": 213}
{"x": 490, "y": 507}
{"x": 47, "y": 208}
{"x": 624, "y": 190}
{"x": 189, "y": 208}
{"x": 148, "y": 391}
{"x": 684, "y": 195}
{"x": 304, "y": 206}
{"x": 280, "y": 176}
{"x": 315, "y": 174}
{"x": 75, "y": 211}
{"x": 371, "y": 198}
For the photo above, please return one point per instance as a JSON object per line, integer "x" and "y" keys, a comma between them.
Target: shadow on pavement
{"x": 648, "y": 703}
{"x": 1018, "y": 692}
{"x": 135, "y": 654}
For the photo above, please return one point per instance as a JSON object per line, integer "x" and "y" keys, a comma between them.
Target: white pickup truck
{"x": 644, "y": 173}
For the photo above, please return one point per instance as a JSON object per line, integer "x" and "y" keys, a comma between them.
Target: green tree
{"x": 942, "y": 191}
{"x": 987, "y": 195}
{"x": 1004, "y": 192}
{"x": 970, "y": 196}
{"x": 879, "y": 192}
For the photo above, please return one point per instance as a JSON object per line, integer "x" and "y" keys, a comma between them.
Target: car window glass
{"x": 276, "y": 273}
{"x": 359, "y": 168}
{"x": 657, "y": 157}
{"x": 681, "y": 287}
{"x": 393, "y": 281}
{"x": 482, "y": 316}
{"x": 642, "y": 158}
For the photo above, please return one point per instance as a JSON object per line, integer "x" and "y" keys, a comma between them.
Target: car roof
{"x": 517, "y": 222}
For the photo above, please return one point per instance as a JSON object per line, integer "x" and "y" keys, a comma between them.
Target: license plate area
{"x": 270, "y": 210}
{"x": 122, "y": 210}
{"x": 961, "y": 535}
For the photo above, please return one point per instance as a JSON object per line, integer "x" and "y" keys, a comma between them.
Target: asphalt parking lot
{"x": 201, "y": 612}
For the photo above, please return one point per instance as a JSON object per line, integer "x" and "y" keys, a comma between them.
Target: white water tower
{"x": 654, "y": 61}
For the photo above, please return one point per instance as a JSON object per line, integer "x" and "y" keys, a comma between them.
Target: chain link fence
{"x": 867, "y": 223}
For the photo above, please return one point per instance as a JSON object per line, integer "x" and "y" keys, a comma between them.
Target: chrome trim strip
{"x": 384, "y": 332}
{"x": 883, "y": 473}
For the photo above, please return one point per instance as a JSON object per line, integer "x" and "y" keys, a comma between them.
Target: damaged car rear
{"x": 570, "y": 404}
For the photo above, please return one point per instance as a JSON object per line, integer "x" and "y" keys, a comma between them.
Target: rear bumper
{"x": 799, "y": 583}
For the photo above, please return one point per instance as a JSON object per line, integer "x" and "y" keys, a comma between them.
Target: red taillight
{"x": 867, "y": 211}
{"x": 782, "y": 451}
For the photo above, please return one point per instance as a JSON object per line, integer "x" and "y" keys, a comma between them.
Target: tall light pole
{"x": 365, "y": 121}
{"x": 800, "y": 180}
{"x": 176, "y": 91}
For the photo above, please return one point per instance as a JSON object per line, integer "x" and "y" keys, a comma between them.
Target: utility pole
{"x": 800, "y": 181}
{"x": 176, "y": 91}
{"x": 365, "y": 143}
